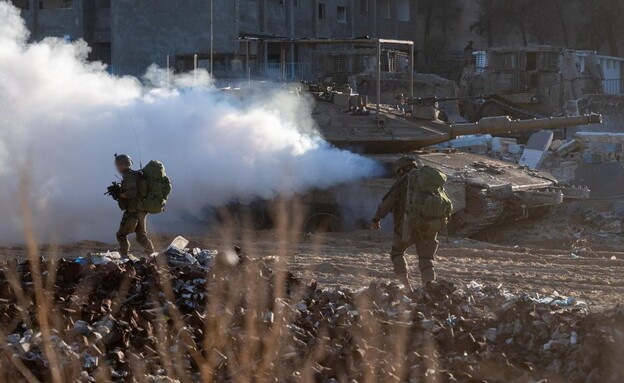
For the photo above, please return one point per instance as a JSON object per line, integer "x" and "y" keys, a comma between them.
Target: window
{"x": 531, "y": 61}
{"x": 341, "y": 14}
{"x": 22, "y": 4}
{"x": 56, "y": 4}
{"x": 383, "y": 9}
{"x": 321, "y": 11}
{"x": 403, "y": 10}
{"x": 364, "y": 7}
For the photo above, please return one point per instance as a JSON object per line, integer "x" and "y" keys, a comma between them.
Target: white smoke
{"x": 62, "y": 119}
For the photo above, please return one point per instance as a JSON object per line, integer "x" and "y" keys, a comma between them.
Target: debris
{"x": 566, "y": 148}
{"x": 179, "y": 243}
{"x": 532, "y": 158}
{"x": 501, "y": 144}
{"x": 471, "y": 328}
{"x": 472, "y": 144}
{"x": 515, "y": 148}
{"x": 612, "y": 227}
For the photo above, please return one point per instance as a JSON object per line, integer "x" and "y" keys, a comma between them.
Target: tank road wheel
{"x": 322, "y": 223}
{"x": 253, "y": 215}
{"x": 481, "y": 211}
{"x": 540, "y": 212}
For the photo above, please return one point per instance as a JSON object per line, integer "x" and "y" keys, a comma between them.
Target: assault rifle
{"x": 114, "y": 190}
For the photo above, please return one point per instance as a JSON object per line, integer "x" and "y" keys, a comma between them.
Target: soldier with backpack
{"x": 421, "y": 209}
{"x": 140, "y": 192}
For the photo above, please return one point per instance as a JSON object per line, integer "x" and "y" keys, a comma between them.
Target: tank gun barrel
{"x": 505, "y": 125}
{"x": 433, "y": 100}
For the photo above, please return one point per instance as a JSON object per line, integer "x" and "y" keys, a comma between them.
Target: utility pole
{"x": 211, "y": 36}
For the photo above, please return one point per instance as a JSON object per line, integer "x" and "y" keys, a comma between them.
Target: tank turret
{"x": 395, "y": 131}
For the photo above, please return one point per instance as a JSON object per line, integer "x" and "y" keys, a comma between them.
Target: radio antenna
{"x": 136, "y": 137}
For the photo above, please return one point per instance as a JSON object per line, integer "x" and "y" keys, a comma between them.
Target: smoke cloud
{"x": 62, "y": 119}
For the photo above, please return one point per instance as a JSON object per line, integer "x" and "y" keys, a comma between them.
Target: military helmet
{"x": 123, "y": 158}
{"x": 404, "y": 163}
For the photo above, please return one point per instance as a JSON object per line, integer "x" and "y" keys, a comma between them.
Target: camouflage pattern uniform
{"x": 134, "y": 219}
{"x": 425, "y": 241}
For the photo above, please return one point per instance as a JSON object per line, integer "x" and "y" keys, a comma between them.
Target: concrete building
{"x": 612, "y": 69}
{"x": 80, "y": 19}
{"x": 129, "y": 35}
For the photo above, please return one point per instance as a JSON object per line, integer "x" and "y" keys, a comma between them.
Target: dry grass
{"x": 244, "y": 334}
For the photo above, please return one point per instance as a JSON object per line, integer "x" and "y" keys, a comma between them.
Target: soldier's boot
{"x": 427, "y": 272}
{"x": 400, "y": 268}
{"x": 404, "y": 279}
{"x": 428, "y": 275}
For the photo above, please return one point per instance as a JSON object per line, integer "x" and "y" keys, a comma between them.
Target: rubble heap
{"x": 171, "y": 318}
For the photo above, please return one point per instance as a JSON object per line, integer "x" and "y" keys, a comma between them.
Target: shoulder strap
{"x": 396, "y": 185}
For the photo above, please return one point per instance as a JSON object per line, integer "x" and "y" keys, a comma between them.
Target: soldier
{"x": 469, "y": 52}
{"x": 424, "y": 237}
{"x": 134, "y": 219}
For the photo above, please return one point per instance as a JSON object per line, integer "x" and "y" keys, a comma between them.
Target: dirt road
{"x": 356, "y": 259}
{"x": 361, "y": 258}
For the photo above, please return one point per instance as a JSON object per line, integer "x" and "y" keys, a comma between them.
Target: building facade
{"x": 80, "y": 19}
{"x": 129, "y": 35}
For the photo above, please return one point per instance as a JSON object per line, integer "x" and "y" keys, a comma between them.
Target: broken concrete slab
{"x": 515, "y": 148}
{"x": 501, "y": 144}
{"x": 540, "y": 141}
{"x": 532, "y": 158}
{"x": 568, "y": 148}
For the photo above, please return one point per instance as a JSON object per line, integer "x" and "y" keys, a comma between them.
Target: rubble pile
{"x": 173, "y": 318}
{"x": 560, "y": 157}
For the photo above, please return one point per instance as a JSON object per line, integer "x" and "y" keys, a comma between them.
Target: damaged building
{"x": 130, "y": 35}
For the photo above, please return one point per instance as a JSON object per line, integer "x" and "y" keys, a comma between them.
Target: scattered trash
{"x": 179, "y": 243}
{"x": 471, "y": 329}
{"x": 178, "y": 253}
{"x": 474, "y": 285}
{"x": 101, "y": 258}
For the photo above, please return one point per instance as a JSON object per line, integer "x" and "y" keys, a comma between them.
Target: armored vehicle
{"x": 483, "y": 190}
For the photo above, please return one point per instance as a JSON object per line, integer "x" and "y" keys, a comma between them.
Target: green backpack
{"x": 154, "y": 187}
{"x": 428, "y": 202}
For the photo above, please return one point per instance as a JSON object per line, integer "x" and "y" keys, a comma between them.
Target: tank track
{"x": 466, "y": 224}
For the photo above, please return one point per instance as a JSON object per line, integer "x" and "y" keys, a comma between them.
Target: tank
{"x": 484, "y": 191}
{"x": 394, "y": 132}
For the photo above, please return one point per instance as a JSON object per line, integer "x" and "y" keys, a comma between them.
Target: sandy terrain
{"x": 521, "y": 261}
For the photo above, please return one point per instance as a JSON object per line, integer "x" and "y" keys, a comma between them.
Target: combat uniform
{"x": 423, "y": 238}
{"x": 134, "y": 219}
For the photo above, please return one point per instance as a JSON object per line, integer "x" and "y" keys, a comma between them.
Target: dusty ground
{"x": 543, "y": 255}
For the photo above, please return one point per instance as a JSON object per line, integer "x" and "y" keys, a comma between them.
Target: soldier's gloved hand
{"x": 375, "y": 224}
